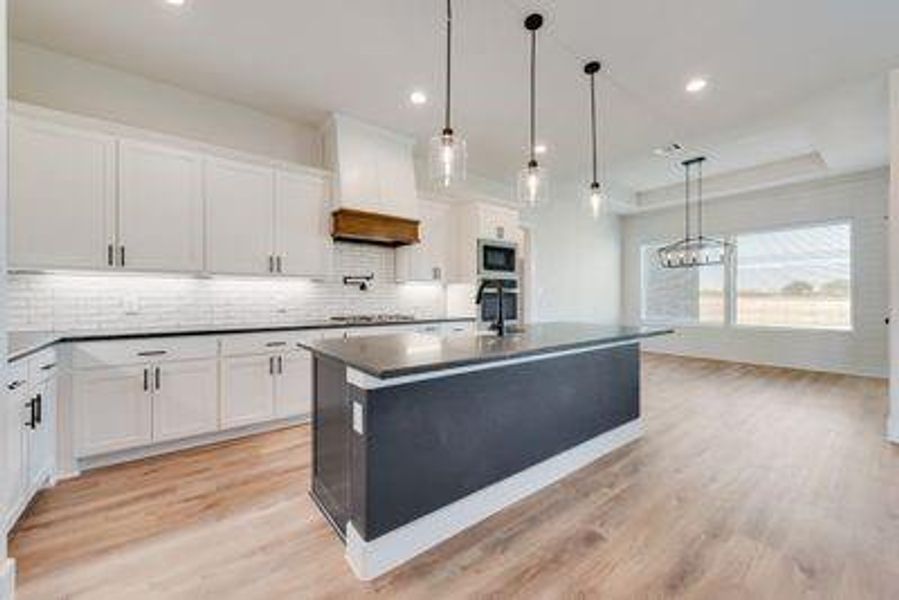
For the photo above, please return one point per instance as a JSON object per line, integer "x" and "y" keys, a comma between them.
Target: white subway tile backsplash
{"x": 58, "y": 301}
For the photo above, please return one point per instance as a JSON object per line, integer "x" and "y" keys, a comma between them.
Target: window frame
{"x": 730, "y": 283}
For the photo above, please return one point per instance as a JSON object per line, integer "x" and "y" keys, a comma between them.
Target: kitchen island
{"x": 418, "y": 437}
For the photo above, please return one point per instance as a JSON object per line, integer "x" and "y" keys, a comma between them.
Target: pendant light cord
{"x": 449, "y": 63}
{"x": 533, "y": 152}
{"x": 593, "y": 122}
{"x": 687, "y": 201}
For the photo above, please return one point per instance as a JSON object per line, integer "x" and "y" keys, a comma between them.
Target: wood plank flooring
{"x": 751, "y": 482}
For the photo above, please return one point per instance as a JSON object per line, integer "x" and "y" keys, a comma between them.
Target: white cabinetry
{"x": 302, "y": 235}
{"x": 248, "y": 390}
{"x": 132, "y": 393}
{"x": 373, "y": 167}
{"x": 62, "y": 196}
{"x": 476, "y": 221}
{"x": 239, "y": 218}
{"x": 112, "y": 410}
{"x": 185, "y": 399}
{"x": 293, "y": 386}
{"x": 29, "y": 433}
{"x": 428, "y": 260}
{"x": 160, "y": 208}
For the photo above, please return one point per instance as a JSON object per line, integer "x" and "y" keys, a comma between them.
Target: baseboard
{"x": 105, "y": 460}
{"x": 8, "y": 579}
{"x": 370, "y": 559}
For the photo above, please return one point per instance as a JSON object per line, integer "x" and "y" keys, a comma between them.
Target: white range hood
{"x": 374, "y": 174}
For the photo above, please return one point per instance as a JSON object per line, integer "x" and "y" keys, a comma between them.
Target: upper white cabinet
{"x": 302, "y": 238}
{"x": 160, "y": 208}
{"x": 428, "y": 260}
{"x": 374, "y": 168}
{"x": 62, "y": 196}
{"x": 239, "y": 218}
{"x": 86, "y": 200}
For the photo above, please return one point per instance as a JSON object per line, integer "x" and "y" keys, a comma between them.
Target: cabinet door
{"x": 293, "y": 386}
{"x": 42, "y": 439}
{"x": 160, "y": 208}
{"x": 428, "y": 260}
{"x": 185, "y": 399}
{"x": 239, "y": 218}
{"x": 112, "y": 410}
{"x": 61, "y": 196}
{"x": 15, "y": 417}
{"x": 301, "y": 224}
{"x": 247, "y": 390}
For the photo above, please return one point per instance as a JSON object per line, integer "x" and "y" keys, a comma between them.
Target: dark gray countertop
{"x": 399, "y": 354}
{"x": 24, "y": 343}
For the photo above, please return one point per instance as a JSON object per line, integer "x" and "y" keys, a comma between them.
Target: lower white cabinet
{"x": 293, "y": 384}
{"x": 185, "y": 399}
{"x": 112, "y": 409}
{"x": 29, "y": 433}
{"x": 248, "y": 387}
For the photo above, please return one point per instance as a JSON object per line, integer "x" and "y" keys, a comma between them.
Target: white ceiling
{"x": 786, "y": 78}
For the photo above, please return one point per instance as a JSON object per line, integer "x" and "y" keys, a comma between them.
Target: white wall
{"x": 893, "y": 423}
{"x": 576, "y": 260}
{"x": 58, "y": 81}
{"x": 862, "y": 198}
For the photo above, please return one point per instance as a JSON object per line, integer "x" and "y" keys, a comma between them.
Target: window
{"x": 681, "y": 295}
{"x": 798, "y": 278}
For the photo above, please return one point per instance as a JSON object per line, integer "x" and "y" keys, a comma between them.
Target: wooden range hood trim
{"x": 350, "y": 225}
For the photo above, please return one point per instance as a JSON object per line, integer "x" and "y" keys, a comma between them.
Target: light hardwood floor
{"x": 750, "y": 482}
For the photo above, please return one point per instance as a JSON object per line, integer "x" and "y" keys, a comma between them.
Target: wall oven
{"x": 497, "y": 259}
{"x": 489, "y": 308}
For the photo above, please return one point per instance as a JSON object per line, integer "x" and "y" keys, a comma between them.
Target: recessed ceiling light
{"x": 697, "y": 84}
{"x": 176, "y": 2}
{"x": 540, "y": 149}
{"x": 418, "y": 98}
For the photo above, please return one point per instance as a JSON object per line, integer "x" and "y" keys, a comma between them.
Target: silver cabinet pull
{"x": 271, "y": 365}
{"x": 121, "y": 256}
{"x": 15, "y": 384}
{"x": 280, "y": 260}
{"x": 110, "y": 255}
{"x": 271, "y": 263}
{"x": 158, "y": 378}
{"x": 275, "y": 344}
{"x": 146, "y": 380}
{"x": 280, "y": 365}
{"x": 48, "y": 367}
{"x": 152, "y": 352}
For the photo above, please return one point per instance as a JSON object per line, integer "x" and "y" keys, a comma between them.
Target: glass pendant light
{"x": 597, "y": 197}
{"x": 447, "y": 152}
{"x": 694, "y": 250}
{"x": 533, "y": 186}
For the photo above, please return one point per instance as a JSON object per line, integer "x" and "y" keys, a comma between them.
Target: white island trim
{"x": 376, "y": 557}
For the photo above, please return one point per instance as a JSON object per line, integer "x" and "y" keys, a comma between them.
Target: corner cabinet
{"x": 62, "y": 192}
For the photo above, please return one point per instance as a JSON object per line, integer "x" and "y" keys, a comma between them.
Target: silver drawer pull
{"x": 48, "y": 367}
{"x": 16, "y": 384}
{"x": 275, "y": 344}
{"x": 152, "y": 353}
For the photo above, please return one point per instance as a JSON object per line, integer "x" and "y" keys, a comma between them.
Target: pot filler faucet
{"x": 499, "y": 325}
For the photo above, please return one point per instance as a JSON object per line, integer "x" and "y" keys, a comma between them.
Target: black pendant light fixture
{"x": 597, "y": 197}
{"x": 694, "y": 250}
{"x": 447, "y": 153}
{"x": 532, "y": 180}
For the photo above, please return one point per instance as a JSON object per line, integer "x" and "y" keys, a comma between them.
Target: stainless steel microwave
{"x": 497, "y": 259}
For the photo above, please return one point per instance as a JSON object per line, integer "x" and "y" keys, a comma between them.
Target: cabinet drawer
{"x": 265, "y": 343}
{"x": 88, "y": 355}
{"x": 42, "y": 366}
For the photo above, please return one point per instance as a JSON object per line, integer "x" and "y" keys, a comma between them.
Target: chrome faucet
{"x": 499, "y": 325}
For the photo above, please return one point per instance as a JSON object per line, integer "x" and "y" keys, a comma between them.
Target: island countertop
{"x": 402, "y": 354}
